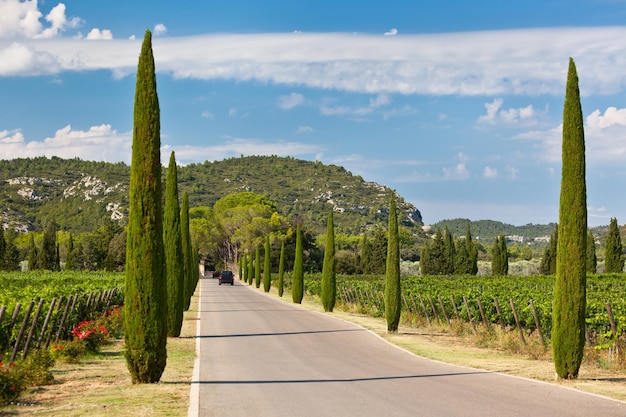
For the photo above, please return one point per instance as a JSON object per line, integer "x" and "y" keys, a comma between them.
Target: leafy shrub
{"x": 12, "y": 383}
{"x": 91, "y": 334}
{"x": 113, "y": 320}
{"x": 68, "y": 351}
{"x": 36, "y": 368}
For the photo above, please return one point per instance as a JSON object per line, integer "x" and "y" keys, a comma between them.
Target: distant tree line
{"x": 446, "y": 255}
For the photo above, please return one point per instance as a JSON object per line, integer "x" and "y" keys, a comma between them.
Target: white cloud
{"x": 97, "y": 34}
{"x": 329, "y": 109}
{"x": 458, "y": 172}
{"x": 526, "y": 116}
{"x": 234, "y": 147}
{"x": 232, "y": 112}
{"x": 160, "y": 29}
{"x": 392, "y": 32}
{"x": 605, "y": 138}
{"x": 207, "y": 115}
{"x": 491, "y": 63}
{"x": 22, "y": 19}
{"x": 103, "y": 143}
{"x": 290, "y": 101}
{"x": 99, "y": 143}
{"x": 490, "y": 173}
{"x": 304, "y": 129}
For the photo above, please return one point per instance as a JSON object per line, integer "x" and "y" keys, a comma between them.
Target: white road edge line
{"x": 194, "y": 391}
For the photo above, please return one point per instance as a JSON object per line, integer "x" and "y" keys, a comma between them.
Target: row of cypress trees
{"x": 393, "y": 289}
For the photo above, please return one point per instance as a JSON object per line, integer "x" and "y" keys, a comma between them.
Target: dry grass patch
{"x": 101, "y": 385}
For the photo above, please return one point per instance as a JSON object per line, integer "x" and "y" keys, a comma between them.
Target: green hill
{"x": 83, "y": 195}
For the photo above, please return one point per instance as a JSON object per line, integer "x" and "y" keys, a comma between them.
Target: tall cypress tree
{"x": 250, "y": 269}
{"x": 329, "y": 279}
{"x": 267, "y": 273}
{"x": 548, "y": 262}
{"x": 393, "y": 290}
{"x": 145, "y": 312}
{"x": 281, "y": 270}
{"x": 172, "y": 241}
{"x": 437, "y": 254}
{"x": 185, "y": 240}
{"x": 11, "y": 253}
{"x": 257, "y": 267}
{"x": 48, "y": 253}
{"x": 70, "y": 264}
{"x": 592, "y": 260}
{"x": 32, "y": 253}
{"x": 449, "y": 252}
{"x": 496, "y": 258}
{"x": 504, "y": 254}
{"x": 472, "y": 251}
{"x": 613, "y": 258}
{"x": 425, "y": 262}
{"x": 3, "y": 246}
{"x": 297, "y": 275}
{"x": 463, "y": 261}
{"x": 568, "y": 313}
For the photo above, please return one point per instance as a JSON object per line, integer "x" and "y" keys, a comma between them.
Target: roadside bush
{"x": 36, "y": 368}
{"x": 68, "y": 351}
{"x": 113, "y": 320}
{"x": 16, "y": 377}
{"x": 91, "y": 334}
{"x": 12, "y": 383}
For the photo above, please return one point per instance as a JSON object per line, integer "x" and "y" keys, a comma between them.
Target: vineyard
{"x": 522, "y": 303}
{"x": 38, "y": 308}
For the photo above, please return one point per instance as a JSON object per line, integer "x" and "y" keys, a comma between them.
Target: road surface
{"x": 262, "y": 357}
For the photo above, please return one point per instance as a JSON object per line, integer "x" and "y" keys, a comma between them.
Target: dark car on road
{"x": 227, "y": 277}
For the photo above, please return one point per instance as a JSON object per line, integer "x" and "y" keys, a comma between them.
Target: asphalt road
{"x": 267, "y": 358}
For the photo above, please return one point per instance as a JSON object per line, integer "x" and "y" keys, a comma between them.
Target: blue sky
{"x": 457, "y": 105}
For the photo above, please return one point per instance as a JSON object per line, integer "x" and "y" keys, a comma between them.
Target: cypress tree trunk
{"x": 267, "y": 273}
{"x": 568, "y": 315}
{"x": 393, "y": 302}
{"x": 281, "y": 270}
{"x": 186, "y": 247}
{"x": 329, "y": 279}
{"x": 257, "y": 267}
{"x": 172, "y": 241}
{"x": 297, "y": 278}
{"x": 145, "y": 312}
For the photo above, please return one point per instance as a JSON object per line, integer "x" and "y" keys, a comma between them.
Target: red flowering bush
{"x": 113, "y": 320}
{"x": 11, "y": 383}
{"x": 91, "y": 334}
